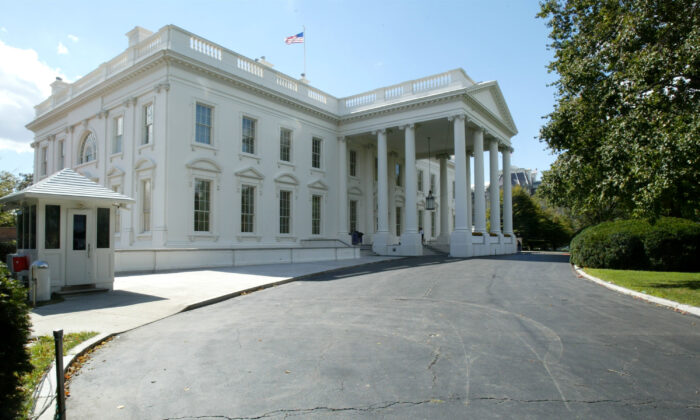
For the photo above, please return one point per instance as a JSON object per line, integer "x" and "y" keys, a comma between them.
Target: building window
{"x": 248, "y": 140}
{"x": 397, "y": 170}
{"x": 202, "y": 205}
{"x": 61, "y": 154}
{"x": 52, "y": 227}
{"x": 147, "y": 124}
{"x": 353, "y": 163}
{"x": 454, "y": 191}
{"x": 103, "y": 228}
{"x": 247, "y": 209}
{"x": 398, "y": 221}
{"x": 145, "y": 205}
{"x": 420, "y": 219}
{"x": 44, "y": 162}
{"x": 420, "y": 180}
{"x": 285, "y": 211}
{"x": 376, "y": 169}
{"x": 285, "y": 145}
{"x": 432, "y": 224}
{"x": 118, "y": 134}
{"x": 117, "y": 212}
{"x": 316, "y": 152}
{"x": 316, "y": 215}
{"x": 88, "y": 148}
{"x": 203, "y": 124}
{"x": 353, "y": 215}
{"x": 432, "y": 182}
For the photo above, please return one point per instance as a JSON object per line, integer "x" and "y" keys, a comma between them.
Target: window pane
{"x": 247, "y": 208}
{"x": 248, "y": 139}
{"x": 316, "y": 152}
{"x": 316, "y": 215}
{"x": 203, "y": 124}
{"x": 32, "y": 227}
{"x": 102, "y": 228}
{"x": 420, "y": 180}
{"x": 353, "y": 215}
{"x": 79, "y": 232}
{"x": 285, "y": 145}
{"x": 285, "y": 211}
{"x": 146, "y": 205}
{"x": 398, "y": 221}
{"x": 88, "y": 150}
{"x": 202, "y": 203}
{"x": 353, "y": 163}
{"x": 148, "y": 124}
{"x": 52, "y": 227}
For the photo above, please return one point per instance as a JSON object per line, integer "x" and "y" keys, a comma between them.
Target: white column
{"x": 369, "y": 191}
{"x": 461, "y": 238}
{"x": 479, "y": 190}
{"x": 469, "y": 192}
{"x": 342, "y": 190}
{"x": 494, "y": 196}
{"x": 507, "y": 194}
{"x": 410, "y": 238}
{"x": 444, "y": 237}
{"x": 381, "y": 237}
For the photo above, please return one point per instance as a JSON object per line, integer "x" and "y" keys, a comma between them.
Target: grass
{"x": 42, "y": 355}
{"x": 679, "y": 287}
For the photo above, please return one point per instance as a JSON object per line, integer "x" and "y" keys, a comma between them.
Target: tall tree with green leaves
{"x": 626, "y": 125}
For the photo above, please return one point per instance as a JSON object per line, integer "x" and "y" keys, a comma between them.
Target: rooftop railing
{"x": 189, "y": 45}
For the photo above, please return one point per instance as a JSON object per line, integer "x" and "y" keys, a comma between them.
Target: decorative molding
{"x": 380, "y": 131}
{"x": 204, "y": 164}
{"x": 317, "y": 184}
{"x": 250, "y": 173}
{"x": 287, "y": 178}
{"x": 160, "y": 86}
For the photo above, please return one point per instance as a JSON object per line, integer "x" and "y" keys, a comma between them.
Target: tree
{"x": 626, "y": 125}
{"x": 9, "y": 184}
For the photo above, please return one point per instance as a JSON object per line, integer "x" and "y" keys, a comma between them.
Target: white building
{"x": 234, "y": 163}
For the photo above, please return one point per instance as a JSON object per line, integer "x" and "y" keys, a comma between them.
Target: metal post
{"x": 60, "y": 379}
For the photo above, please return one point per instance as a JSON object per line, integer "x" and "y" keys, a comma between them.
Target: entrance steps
{"x": 436, "y": 249}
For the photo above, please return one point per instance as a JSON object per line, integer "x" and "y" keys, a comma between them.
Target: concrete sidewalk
{"x": 140, "y": 299}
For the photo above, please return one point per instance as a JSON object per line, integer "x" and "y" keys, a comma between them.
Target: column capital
{"x": 341, "y": 139}
{"x": 442, "y": 156}
{"x": 460, "y": 116}
{"x": 380, "y": 131}
{"x": 412, "y": 126}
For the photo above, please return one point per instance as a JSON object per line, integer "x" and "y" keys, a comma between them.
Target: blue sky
{"x": 352, "y": 47}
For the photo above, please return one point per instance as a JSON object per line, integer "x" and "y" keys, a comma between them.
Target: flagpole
{"x": 304, "y": 31}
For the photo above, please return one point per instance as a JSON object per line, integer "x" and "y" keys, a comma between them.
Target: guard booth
{"x": 67, "y": 220}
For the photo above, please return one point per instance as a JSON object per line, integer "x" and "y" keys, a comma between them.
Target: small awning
{"x": 68, "y": 185}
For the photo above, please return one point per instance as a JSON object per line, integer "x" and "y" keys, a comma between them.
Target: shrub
{"x": 7, "y": 247}
{"x": 14, "y": 358}
{"x": 668, "y": 244}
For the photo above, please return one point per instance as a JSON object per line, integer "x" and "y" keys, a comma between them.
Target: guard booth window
{"x": 52, "y": 227}
{"x": 102, "y": 228}
{"x": 26, "y": 227}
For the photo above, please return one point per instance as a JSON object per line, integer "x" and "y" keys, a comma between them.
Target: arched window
{"x": 88, "y": 149}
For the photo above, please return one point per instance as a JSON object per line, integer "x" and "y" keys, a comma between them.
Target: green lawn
{"x": 679, "y": 287}
{"x": 42, "y": 353}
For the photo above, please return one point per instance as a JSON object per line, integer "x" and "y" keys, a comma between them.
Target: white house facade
{"x": 232, "y": 162}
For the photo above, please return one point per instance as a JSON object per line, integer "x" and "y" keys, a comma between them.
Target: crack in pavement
{"x": 432, "y": 363}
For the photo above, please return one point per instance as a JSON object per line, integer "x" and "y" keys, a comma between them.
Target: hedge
{"x": 14, "y": 359}
{"x": 666, "y": 244}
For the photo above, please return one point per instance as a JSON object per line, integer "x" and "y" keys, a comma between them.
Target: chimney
{"x": 137, "y": 35}
{"x": 58, "y": 86}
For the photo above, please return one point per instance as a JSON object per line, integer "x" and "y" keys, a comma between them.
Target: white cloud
{"x": 73, "y": 38}
{"x": 3, "y": 29}
{"x": 24, "y": 82}
{"x": 61, "y": 48}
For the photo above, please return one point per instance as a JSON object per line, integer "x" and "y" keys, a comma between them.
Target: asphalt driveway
{"x": 503, "y": 337}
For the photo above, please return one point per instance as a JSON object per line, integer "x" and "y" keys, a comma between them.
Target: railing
{"x": 246, "y": 70}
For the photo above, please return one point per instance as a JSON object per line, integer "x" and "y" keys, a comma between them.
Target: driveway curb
{"x": 46, "y": 391}
{"x": 678, "y": 307}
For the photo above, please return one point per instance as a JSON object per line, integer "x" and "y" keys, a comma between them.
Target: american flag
{"x": 295, "y": 39}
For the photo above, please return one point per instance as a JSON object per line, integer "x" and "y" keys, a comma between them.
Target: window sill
{"x": 318, "y": 171}
{"x": 249, "y": 237}
{"x": 203, "y": 236}
{"x": 242, "y": 155}
{"x": 286, "y": 238}
{"x": 203, "y": 146}
{"x": 144, "y": 236}
{"x": 145, "y": 146}
{"x": 281, "y": 163}
{"x": 118, "y": 155}
{"x": 86, "y": 164}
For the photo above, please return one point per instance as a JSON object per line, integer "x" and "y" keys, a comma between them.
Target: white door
{"x": 80, "y": 249}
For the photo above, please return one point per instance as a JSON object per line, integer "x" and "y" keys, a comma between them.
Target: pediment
{"x": 145, "y": 163}
{"x": 250, "y": 173}
{"x": 489, "y": 95}
{"x": 204, "y": 165}
{"x": 115, "y": 172}
{"x": 354, "y": 191}
{"x": 287, "y": 178}
{"x": 317, "y": 184}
